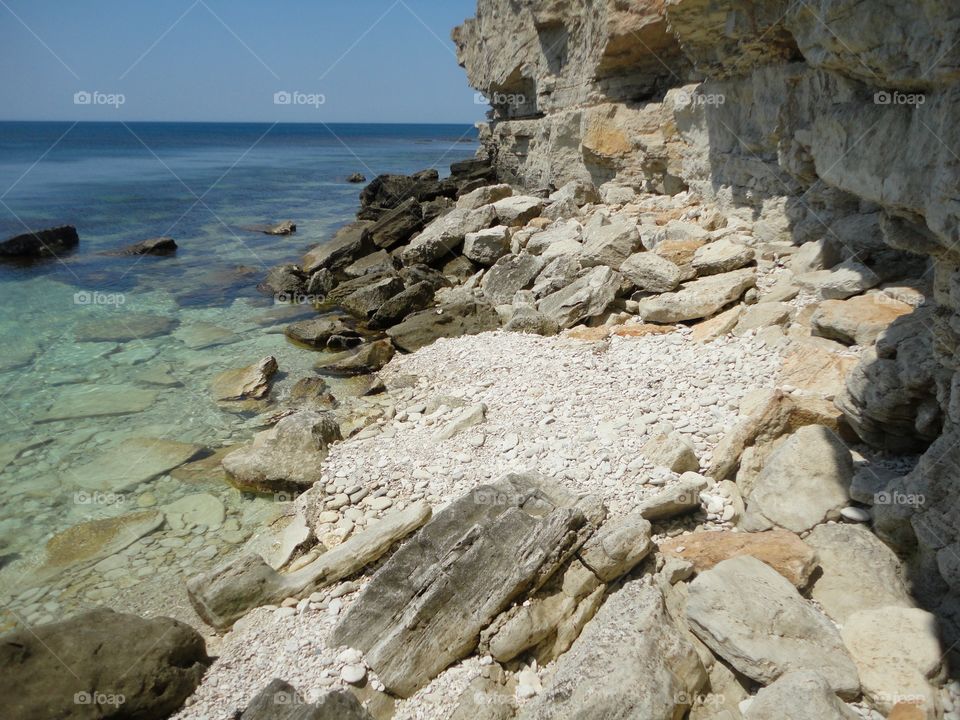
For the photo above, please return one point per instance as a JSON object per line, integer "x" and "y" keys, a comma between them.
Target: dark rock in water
{"x": 467, "y": 317}
{"x": 348, "y": 287}
{"x": 312, "y": 392}
{"x": 153, "y": 246}
{"x": 394, "y": 227}
{"x": 416, "y": 297}
{"x": 280, "y": 701}
{"x": 100, "y": 664}
{"x": 323, "y": 332}
{"x": 350, "y": 243}
{"x": 285, "y": 281}
{"x": 425, "y": 608}
{"x": 389, "y": 191}
{"x": 129, "y": 326}
{"x": 356, "y": 178}
{"x": 362, "y": 360}
{"x": 287, "y": 227}
{"x": 378, "y": 262}
{"x": 367, "y": 300}
{"x": 320, "y": 284}
{"x": 41, "y": 244}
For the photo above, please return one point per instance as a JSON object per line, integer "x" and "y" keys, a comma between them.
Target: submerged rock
{"x": 41, "y": 244}
{"x": 247, "y": 383}
{"x": 153, "y": 246}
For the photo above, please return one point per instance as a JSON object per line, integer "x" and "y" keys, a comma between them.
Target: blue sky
{"x": 234, "y": 60}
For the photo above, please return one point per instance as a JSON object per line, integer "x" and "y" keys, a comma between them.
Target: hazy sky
{"x": 234, "y": 60}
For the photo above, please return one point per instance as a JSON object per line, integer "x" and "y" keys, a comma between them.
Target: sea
{"x": 106, "y": 361}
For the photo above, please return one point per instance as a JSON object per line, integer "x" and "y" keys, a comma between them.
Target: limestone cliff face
{"x": 821, "y": 119}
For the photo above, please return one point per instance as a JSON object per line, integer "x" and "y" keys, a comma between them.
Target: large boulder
{"x": 445, "y": 235}
{"x": 246, "y": 383}
{"x": 722, "y": 256}
{"x": 518, "y": 210}
{"x": 630, "y": 661}
{"x": 485, "y": 247}
{"x": 285, "y": 458}
{"x": 376, "y": 263}
{"x": 586, "y": 297}
{"x": 840, "y": 282}
{"x": 100, "y": 664}
{"x": 323, "y": 332}
{"x": 859, "y": 320}
{"x": 486, "y": 195}
{"x": 610, "y": 244}
{"x": 754, "y": 618}
{"x": 800, "y": 695}
{"x": 280, "y": 701}
{"x": 509, "y": 275}
{"x": 396, "y": 226}
{"x": 154, "y": 246}
{"x": 41, "y": 244}
{"x": 456, "y": 574}
{"x": 463, "y": 317}
{"x": 651, "y": 273}
{"x": 699, "y": 298}
{"x": 418, "y": 296}
{"x": 365, "y": 301}
{"x": 350, "y": 243}
{"x": 362, "y": 360}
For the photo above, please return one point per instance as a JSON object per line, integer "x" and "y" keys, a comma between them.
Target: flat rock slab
{"x": 859, "y": 320}
{"x": 104, "y": 400}
{"x": 630, "y": 661}
{"x": 130, "y": 463}
{"x": 698, "y": 299}
{"x": 754, "y": 618}
{"x": 783, "y": 551}
{"x": 246, "y": 383}
{"x": 123, "y": 327}
{"x": 425, "y": 608}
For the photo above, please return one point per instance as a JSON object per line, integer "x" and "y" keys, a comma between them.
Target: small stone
{"x": 353, "y": 674}
{"x": 855, "y": 514}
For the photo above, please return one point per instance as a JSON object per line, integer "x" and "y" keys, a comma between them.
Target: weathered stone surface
{"x": 619, "y": 545}
{"x": 699, "y": 298}
{"x": 680, "y": 497}
{"x": 130, "y": 326}
{"x": 800, "y": 695}
{"x": 610, "y": 244}
{"x": 859, "y": 320}
{"x": 418, "y": 296}
{"x": 841, "y": 281}
{"x": 816, "y": 255}
{"x": 247, "y": 383}
{"x": 518, "y": 210}
{"x": 486, "y": 195}
{"x": 100, "y": 664}
{"x": 467, "y": 317}
{"x": 280, "y": 701}
{"x": 783, "y": 551}
{"x": 284, "y": 282}
{"x": 366, "y": 358}
{"x": 815, "y": 369}
{"x": 350, "y": 243}
{"x": 130, "y": 463}
{"x": 367, "y": 300}
{"x": 445, "y": 234}
{"x": 373, "y": 264}
{"x": 721, "y": 256}
{"x": 763, "y": 315}
{"x": 41, "y": 244}
{"x": 674, "y": 452}
{"x": 897, "y": 651}
{"x": 561, "y": 239}
{"x": 460, "y": 571}
{"x": 323, "y": 332}
{"x": 527, "y": 319}
{"x": 859, "y": 572}
{"x": 467, "y": 417}
{"x": 586, "y": 297}
{"x": 630, "y": 661}
{"x": 753, "y": 617}
{"x": 805, "y": 481}
{"x": 394, "y": 227}
{"x": 487, "y": 246}
{"x": 287, "y": 457}
{"x": 153, "y": 246}
{"x": 650, "y": 272}
{"x": 225, "y": 594}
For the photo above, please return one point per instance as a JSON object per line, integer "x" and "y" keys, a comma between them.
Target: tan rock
{"x": 859, "y": 320}
{"x": 809, "y": 367}
{"x": 783, "y": 551}
{"x": 641, "y": 330}
{"x": 718, "y": 325}
{"x": 679, "y": 252}
{"x": 247, "y": 383}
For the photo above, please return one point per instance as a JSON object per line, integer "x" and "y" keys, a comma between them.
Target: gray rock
{"x": 487, "y": 246}
{"x": 619, "y": 545}
{"x": 673, "y": 451}
{"x": 463, "y": 317}
{"x": 418, "y": 296}
{"x": 682, "y": 496}
{"x": 699, "y": 298}
{"x": 365, "y": 301}
{"x": 559, "y": 239}
{"x": 508, "y": 276}
{"x": 586, "y": 297}
{"x": 460, "y": 571}
{"x": 816, "y": 255}
{"x": 366, "y": 358}
{"x": 394, "y": 227}
{"x": 153, "y": 246}
{"x": 610, "y": 244}
{"x": 518, "y": 210}
{"x": 376, "y": 263}
{"x": 41, "y": 244}
{"x": 445, "y": 234}
{"x": 527, "y": 319}
{"x": 350, "y": 243}
{"x": 650, "y": 272}
{"x": 841, "y": 281}
{"x": 486, "y": 195}
{"x": 280, "y": 701}
{"x": 800, "y": 695}
{"x": 100, "y": 664}
{"x": 323, "y": 332}
{"x": 754, "y": 618}
{"x": 581, "y": 192}
{"x": 721, "y": 256}
{"x": 559, "y": 272}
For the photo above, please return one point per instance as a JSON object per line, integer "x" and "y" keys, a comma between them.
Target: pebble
{"x": 353, "y": 674}
{"x": 855, "y": 514}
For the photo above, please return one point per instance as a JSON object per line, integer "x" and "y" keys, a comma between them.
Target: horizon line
{"x": 241, "y": 122}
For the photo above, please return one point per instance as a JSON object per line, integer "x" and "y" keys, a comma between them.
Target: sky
{"x": 234, "y": 61}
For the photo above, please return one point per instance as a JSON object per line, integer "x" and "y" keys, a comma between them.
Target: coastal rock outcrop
{"x": 41, "y": 244}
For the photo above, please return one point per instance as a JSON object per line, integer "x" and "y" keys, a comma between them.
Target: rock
{"x": 752, "y": 617}
{"x": 722, "y": 256}
{"x": 198, "y": 509}
{"x": 350, "y": 243}
{"x": 680, "y": 497}
{"x": 98, "y": 401}
{"x": 897, "y": 651}
{"x": 132, "y": 326}
{"x": 466, "y": 317}
{"x": 618, "y": 547}
{"x": 485, "y": 699}
{"x": 527, "y": 319}
{"x": 366, "y": 358}
{"x": 224, "y": 595}
{"x": 518, "y": 210}
{"x": 840, "y": 282}
{"x": 800, "y": 695}
{"x": 389, "y": 191}
{"x": 855, "y": 514}
{"x": 859, "y": 320}
{"x": 280, "y": 701}
{"x": 783, "y": 290}
{"x": 486, "y": 195}
{"x": 468, "y": 417}
{"x": 418, "y": 296}
{"x": 805, "y": 481}
{"x": 650, "y": 273}
{"x": 816, "y": 255}
{"x": 356, "y": 178}
{"x": 131, "y": 462}
{"x": 508, "y": 276}
{"x": 462, "y": 569}
{"x": 153, "y": 246}
{"x": 395, "y": 227}
{"x": 353, "y": 674}
{"x": 630, "y": 661}
{"x": 579, "y": 191}
{"x": 323, "y": 332}
{"x": 285, "y": 227}
{"x": 445, "y": 235}
{"x": 118, "y": 665}
{"x": 763, "y": 315}
{"x": 286, "y": 282}
{"x": 610, "y": 244}
{"x": 859, "y": 572}
{"x": 562, "y": 239}
{"x": 719, "y": 325}
{"x": 674, "y": 452}
{"x": 247, "y": 383}
{"x": 699, "y": 298}
{"x": 485, "y": 247}
{"x": 586, "y": 297}
{"x": 365, "y": 301}
{"x": 783, "y": 551}
{"x": 41, "y": 244}
{"x": 285, "y": 458}
{"x": 377, "y": 263}
{"x": 815, "y": 369}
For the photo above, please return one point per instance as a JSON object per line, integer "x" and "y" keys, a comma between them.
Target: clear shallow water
{"x": 74, "y": 332}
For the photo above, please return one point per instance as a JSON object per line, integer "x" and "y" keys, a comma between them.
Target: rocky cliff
{"x": 829, "y": 120}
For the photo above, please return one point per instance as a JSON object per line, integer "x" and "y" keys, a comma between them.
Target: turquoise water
{"x": 85, "y": 371}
